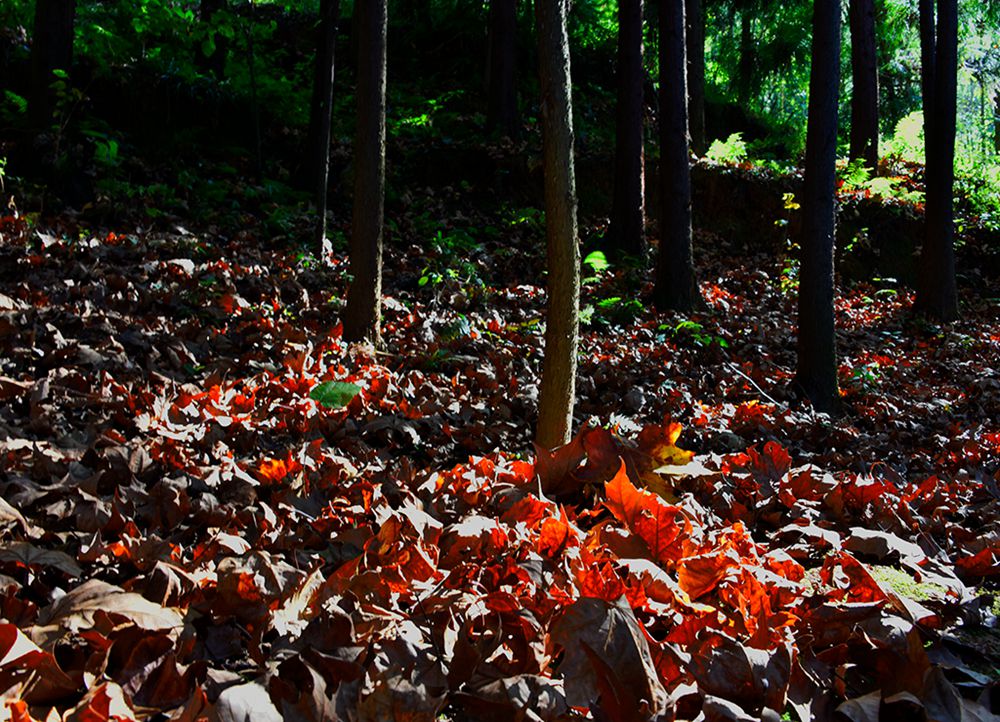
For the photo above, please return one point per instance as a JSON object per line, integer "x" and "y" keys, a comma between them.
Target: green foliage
{"x": 696, "y": 332}
{"x": 334, "y": 394}
{"x": 593, "y": 25}
{"x": 854, "y": 176}
{"x": 597, "y": 263}
{"x": 451, "y": 250}
{"x": 13, "y": 108}
{"x": 611, "y": 311}
{"x": 907, "y": 142}
{"x": 731, "y": 150}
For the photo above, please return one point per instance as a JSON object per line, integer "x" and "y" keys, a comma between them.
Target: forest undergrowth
{"x": 190, "y": 530}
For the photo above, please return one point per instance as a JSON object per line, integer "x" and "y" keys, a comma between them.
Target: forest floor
{"x": 188, "y": 532}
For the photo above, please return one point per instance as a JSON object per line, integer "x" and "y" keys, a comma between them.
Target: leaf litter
{"x": 214, "y": 508}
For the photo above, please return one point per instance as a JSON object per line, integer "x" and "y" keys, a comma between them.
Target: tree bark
{"x": 696, "y": 74}
{"x": 927, "y": 43}
{"x": 816, "y": 373}
{"x": 864, "y": 71}
{"x": 937, "y": 294}
{"x": 501, "y": 108}
{"x": 558, "y": 387}
{"x": 675, "y": 282}
{"x": 744, "y": 84}
{"x": 996, "y": 122}
{"x": 51, "y": 49}
{"x": 626, "y": 233}
{"x": 364, "y": 298}
{"x": 320, "y": 112}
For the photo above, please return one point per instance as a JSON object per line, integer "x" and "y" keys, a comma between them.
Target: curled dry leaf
{"x": 76, "y": 611}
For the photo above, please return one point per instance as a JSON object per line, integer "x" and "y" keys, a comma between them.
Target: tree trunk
{"x": 747, "y": 55}
{"x": 696, "y": 74}
{"x": 817, "y": 346}
{"x": 675, "y": 282}
{"x": 320, "y": 111}
{"x": 215, "y": 61}
{"x": 864, "y": 71}
{"x": 51, "y": 49}
{"x": 996, "y": 122}
{"x": 626, "y": 233}
{"x": 558, "y": 388}
{"x": 364, "y": 298}
{"x": 501, "y": 108}
{"x": 927, "y": 65}
{"x": 937, "y": 295}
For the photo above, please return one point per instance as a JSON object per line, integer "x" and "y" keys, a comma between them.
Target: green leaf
{"x": 597, "y": 261}
{"x": 334, "y": 394}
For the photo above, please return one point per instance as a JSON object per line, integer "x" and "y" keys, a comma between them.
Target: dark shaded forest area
{"x": 499, "y": 360}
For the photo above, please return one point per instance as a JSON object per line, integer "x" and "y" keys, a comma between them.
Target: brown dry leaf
{"x": 248, "y": 702}
{"x": 556, "y": 468}
{"x": 612, "y": 632}
{"x": 881, "y": 544}
{"x": 753, "y": 678}
{"x": 396, "y": 699}
{"x": 76, "y": 610}
{"x": 302, "y": 693}
{"x": 12, "y": 388}
{"x": 14, "y": 645}
{"x": 524, "y": 697}
{"x": 862, "y": 709}
{"x": 29, "y": 555}
{"x": 9, "y": 516}
{"x": 102, "y": 703}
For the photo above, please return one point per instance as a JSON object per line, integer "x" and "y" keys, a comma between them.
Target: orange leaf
{"x": 698, "y": 575}
{"x": 659, "y": 442}
{"x": 646, "y": 515}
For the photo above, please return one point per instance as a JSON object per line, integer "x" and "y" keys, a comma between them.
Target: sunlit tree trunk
{"x": 501, "y": 108}
{"x": 937, "y": 294}
{"x": 558, "y": 388}
{"x": 816, "y": 373}
{"x": 320, "y": 111}
{"x": 364, "y": 298}
{"x": 696, "y": 74}
{"x": 675, "y": 282}
{"x": 864, "y": 71}
{"x": 626, "y": 233}
{"x": 51, "y": 49}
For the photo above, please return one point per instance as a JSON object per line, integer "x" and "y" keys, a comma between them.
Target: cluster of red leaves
{"x": 187, "y": 534}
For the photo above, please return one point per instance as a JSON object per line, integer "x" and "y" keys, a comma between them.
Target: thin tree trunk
{"x": 501, "y": 109}
{"x": 696, "y": 74}
{"x": 558, "y": 388}
{"x": 675, "y": 282}
{"x": 321, "y": 111}
{"x": 996, "y": 122}
{"x": 937, "y": 294}
{"x": 626, "y": 233}
{"x": 864, "y": 71}
{"x": 817, "y": 346}
{"x": 51, "y": 49}
{"x": 364, "y": 298}
{"x": 927, "y": 43}
{"x": 747, "y": 57}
